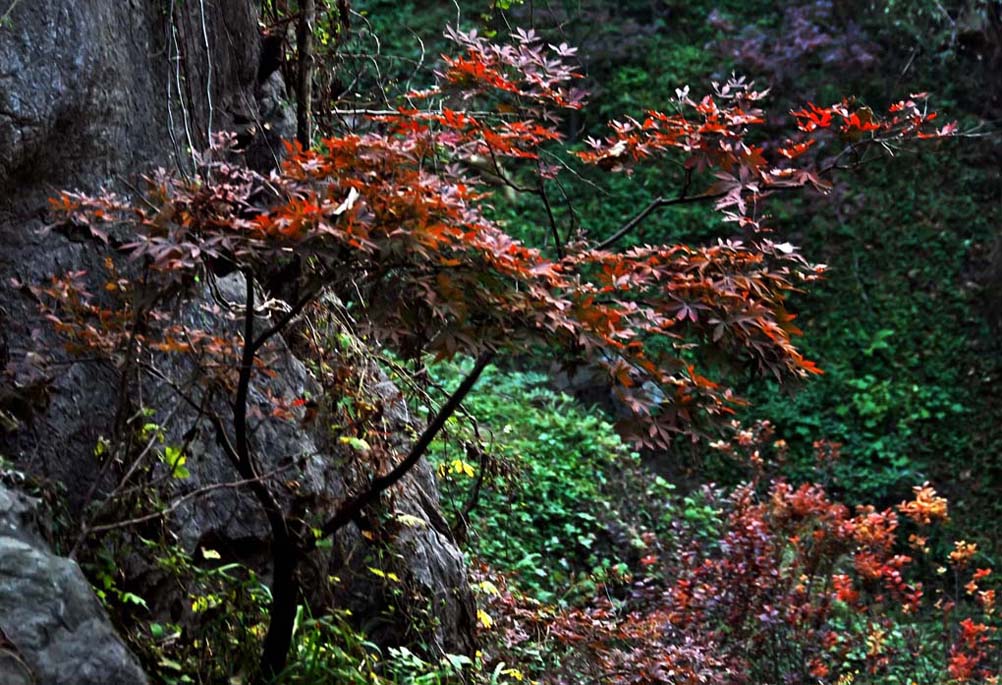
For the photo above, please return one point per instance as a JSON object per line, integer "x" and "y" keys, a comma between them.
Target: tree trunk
{"x": 282, "y": 613}
{"x": 304, "y": 81}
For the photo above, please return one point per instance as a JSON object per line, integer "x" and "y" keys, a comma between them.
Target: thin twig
{"x": 420, "y": 61}
{"x": 557, "y": 242}
{"x": 174, "y": 505}
{"x": 170, "y": 109}
{"x": 285, "y": 319}
{"x": 10, "y": 9}
{"x": 185, "y": 115}
{"x": 208, "y": 70}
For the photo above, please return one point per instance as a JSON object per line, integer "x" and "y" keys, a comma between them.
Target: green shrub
{"x": 544, "y": 510}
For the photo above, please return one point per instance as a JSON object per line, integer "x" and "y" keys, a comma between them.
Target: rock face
{"x": 93, "y": 94}
{"x": 53, "y": 631}
{"x": 422, "y": 552}
{"x": 89, "y": 98}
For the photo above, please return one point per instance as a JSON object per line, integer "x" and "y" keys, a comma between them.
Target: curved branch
{"x": 656, "y": 203}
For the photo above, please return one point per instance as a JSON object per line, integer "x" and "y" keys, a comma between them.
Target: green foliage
{"x": 895, "y": 327}
{"x": 214, "y": 632}
{"x": 925, "y": 663}
{"x": 330, "y": 649}
{"x": 543, "y": 509}
{"x": 216, "y": 635}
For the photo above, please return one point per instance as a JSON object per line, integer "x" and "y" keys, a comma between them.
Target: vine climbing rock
{"x": 53, "y": 630}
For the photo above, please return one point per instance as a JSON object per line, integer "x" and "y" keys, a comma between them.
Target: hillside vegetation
{"x": 464, "y": 383}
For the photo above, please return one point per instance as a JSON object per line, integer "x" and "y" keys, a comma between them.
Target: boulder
{"x": 53, "y": 630}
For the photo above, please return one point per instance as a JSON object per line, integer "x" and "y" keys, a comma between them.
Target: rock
{"x": 53, "y": 630}
{"x": 230, "y": 520}
{"x": 19, "y": 517}
{"x": 90, "y": 98}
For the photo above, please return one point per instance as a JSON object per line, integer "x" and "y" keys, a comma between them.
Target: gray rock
{"x": 89, "y": 97}
{"x": 53, "y": 630}
{"x": 231, "y": 521}
{"x": 19, "y": 517}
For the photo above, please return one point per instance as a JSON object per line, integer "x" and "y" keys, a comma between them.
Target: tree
{"x": 391, "y": 225}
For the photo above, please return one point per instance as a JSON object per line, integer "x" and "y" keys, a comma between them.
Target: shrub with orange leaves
{"x": 796, "y": 588}
{"x": 926, "y": 507}
{"x": 962, "y": 553}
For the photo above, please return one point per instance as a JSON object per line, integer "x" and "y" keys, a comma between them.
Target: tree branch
{"x": 350, "y": 509}
{"x": 205, "y": 490}
{"x": 244, "y": 463}
{"x": 285, "y": 319}
{"x": 557, "y": 243}
{"x": 656, "y": 203}
{"x": 304, "y": 79}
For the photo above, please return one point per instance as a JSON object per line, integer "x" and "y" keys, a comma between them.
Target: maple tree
{"x": 393, "y": 222}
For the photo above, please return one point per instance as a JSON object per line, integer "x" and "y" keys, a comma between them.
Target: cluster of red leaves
{"x": 521, "y": 86}
{"x": 795, "y": 587}
{"x": 389, "y": 219}
{"x": 375, "y": 219}
{"x": 524, "y": 71}
{"x": 85, "y": 326}
{"x": 713, "y": 133}
{"x": 969, "y": 654}
{"x": 91, "y": 325}
{"x": 124, "y": 323}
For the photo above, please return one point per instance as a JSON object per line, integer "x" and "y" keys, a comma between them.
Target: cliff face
{"x": 92, "y": 94}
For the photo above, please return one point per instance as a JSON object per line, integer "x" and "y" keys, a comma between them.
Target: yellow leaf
{"x": 485, "y": 619}
{"x": 461, "y": 467}
{"x": 411, "y": 521}
{"x": 210, "y": 554}
{"x": 357, "y": 444}
{"x": 488, "y": 587}
{"x": 377, "y": 572}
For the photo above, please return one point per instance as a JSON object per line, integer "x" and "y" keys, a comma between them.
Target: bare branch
{"x": 350, "y": 509}
{"x": 656, "y": 203}
{"x": 174, "y": 505}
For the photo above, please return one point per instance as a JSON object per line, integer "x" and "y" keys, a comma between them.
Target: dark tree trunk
{"x": 304, "y": 81}
{"x": 284, "y": 600}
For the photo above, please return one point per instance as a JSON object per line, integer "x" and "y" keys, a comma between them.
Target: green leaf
{"x": 130, "y": 598}
{"x": 357, "y": 444}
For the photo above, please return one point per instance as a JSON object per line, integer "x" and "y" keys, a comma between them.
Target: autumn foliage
{"x": 794, "y": 586}
{"x": 391, "y": 222}
{"x": 392, "y": 217}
